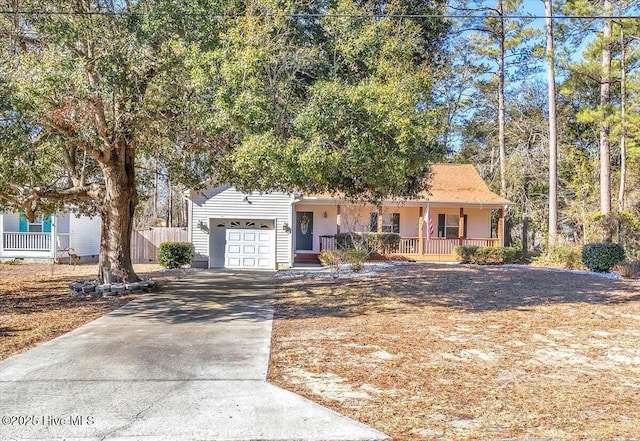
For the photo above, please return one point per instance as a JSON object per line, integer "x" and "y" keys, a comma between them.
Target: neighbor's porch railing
{"x": 33, "y": 241}
{"x": 410, "y": 245}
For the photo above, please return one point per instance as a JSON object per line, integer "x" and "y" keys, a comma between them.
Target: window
{"x": 451, "y": 225}
{"x": 35, "y": 226}
{"x": 39, "y": 225}
{"x": 390, "y": 222}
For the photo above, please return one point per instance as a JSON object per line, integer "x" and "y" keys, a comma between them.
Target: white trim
{"x": 54, "y": 236}
{"x": 404, "y": 202}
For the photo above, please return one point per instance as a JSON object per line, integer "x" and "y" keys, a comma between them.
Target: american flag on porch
{"x": 429, "y": 224}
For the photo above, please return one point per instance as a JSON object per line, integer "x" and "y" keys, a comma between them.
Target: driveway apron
{"x": 189, "y": 363}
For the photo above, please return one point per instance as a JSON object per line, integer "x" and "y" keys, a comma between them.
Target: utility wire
{"x": 316, "y": 16}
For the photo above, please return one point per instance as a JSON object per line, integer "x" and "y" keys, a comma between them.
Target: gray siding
{"x": 63, "y": 221}
{"x": 84, "y": 235}
{"x": 225, "y": 202}
{"x": 11, "y": 222}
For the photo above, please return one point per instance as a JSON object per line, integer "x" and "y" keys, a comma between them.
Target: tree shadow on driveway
{"x": 210, "y": 296}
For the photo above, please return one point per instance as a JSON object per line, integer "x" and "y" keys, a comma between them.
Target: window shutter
{"x": 440, "y": 225}
{"x": 465, "y": 225}
{"x": 396, "y": 223}
{"x": 24, "y": 223}
{"x": 46, "y": 224}
{"x": 373, "y": 222}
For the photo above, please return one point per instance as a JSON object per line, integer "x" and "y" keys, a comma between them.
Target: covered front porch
{"x": 435, "y": 249}
{"x": 44, "y": 239}
{"x": 428, "y": 232}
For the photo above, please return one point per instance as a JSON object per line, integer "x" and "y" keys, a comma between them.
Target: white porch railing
{"x": 63, "y": 241}
{"x": 443, "y": 245}
{"x": 410, "y": 245}
{"x": 33, "y": 241}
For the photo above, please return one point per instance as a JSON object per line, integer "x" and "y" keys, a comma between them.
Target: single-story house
{"x": 50, "y": 237}
{"x": 274, "y": 230}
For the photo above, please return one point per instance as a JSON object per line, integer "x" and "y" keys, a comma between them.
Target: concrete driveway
{"x": 189, "y": 363}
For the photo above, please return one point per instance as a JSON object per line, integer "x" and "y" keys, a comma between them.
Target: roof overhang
{"x": 315, "y": 200}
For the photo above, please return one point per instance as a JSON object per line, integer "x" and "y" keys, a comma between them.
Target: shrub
{"x": 485, "y": 255}
{"x": 628, "y": 270}
{"x": 384, "y": 243}
{"x": 601, "y": 257}
{"x": 176, "y": 254}
{"x": 333, "y": 259}
{"x": 356, "y": 258}
{"x": 465, "y": 254}
{"x": 566, "y": 256}
{"x": 380, "y": 242}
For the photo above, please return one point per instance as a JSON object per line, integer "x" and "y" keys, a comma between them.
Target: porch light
{"x": 325, "y": 215}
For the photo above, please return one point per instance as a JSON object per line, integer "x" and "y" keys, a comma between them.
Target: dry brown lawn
{"x": 35, "y": 304}
{"x": 426, "y": 351}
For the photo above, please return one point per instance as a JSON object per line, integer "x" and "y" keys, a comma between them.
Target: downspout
{"x": 54, "y": 237}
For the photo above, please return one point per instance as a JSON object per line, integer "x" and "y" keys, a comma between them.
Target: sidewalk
{"x": 189, "y": 363}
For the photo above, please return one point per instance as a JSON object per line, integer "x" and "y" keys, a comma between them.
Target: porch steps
{"x": 306, "y": 259}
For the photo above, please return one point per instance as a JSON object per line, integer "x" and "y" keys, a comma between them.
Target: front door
{"x": 304, "y": 230}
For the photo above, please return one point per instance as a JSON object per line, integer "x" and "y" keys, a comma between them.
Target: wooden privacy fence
{"x": 145, "y": 242}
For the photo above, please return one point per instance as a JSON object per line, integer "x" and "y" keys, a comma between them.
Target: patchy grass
{"x": 429, "y": 351}
{"x": 35, "y": 305}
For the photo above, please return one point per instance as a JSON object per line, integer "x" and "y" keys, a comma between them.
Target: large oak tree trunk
{"x": 117, "y": 212}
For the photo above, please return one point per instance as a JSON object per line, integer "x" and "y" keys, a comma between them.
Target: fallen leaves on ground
{"x": 35, "y": 304}
{"x": 426, "y": 351}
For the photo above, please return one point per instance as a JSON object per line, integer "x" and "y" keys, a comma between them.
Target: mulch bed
{"x": 427, "y": 351}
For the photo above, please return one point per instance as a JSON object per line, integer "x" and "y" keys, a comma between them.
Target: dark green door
{"x": 304, "y": 230}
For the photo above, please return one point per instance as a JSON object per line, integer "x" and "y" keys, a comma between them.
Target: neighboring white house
{"x": 51, "y": 237}
{"x": 231, "y": 229}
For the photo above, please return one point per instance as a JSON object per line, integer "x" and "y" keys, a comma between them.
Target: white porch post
{"x": 500, "y": 227}
{"x": 420, "y": 224}
{"x": 461, "y": 225}
{"x": 54, "y": 236}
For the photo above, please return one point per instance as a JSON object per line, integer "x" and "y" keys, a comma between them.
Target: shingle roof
{"x": 460, "y": 183}
{"x": 450, "y": 183}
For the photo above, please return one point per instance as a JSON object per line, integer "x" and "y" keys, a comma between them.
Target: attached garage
{"x": 232, "y": 229}
{"x": 242, "y": 244}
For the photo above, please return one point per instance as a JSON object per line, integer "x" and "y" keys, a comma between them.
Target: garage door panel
{"x": 250, "y": 249}
{"x": 249, "y": 236}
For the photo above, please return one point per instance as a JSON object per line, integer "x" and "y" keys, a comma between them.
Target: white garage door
{"x": 250, "y": 249}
